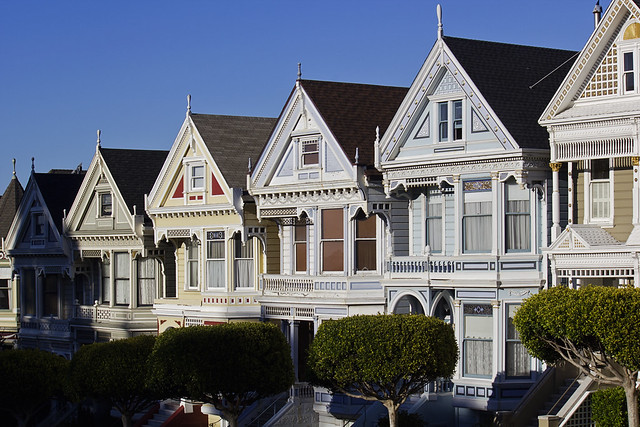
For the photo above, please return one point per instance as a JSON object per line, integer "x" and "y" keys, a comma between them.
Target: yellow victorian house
{"x": 200, "y": 205}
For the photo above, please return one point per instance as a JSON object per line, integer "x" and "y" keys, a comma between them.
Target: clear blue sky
{"x": 68, "y": 68}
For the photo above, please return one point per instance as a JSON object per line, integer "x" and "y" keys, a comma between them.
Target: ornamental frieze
{"x": 311, "y": 197}
{"x": 471, "y": 167}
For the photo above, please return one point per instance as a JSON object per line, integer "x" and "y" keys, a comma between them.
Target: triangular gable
{"x": 415, "y": 130}
{"x": 596, "y": 71}
{"x": 582, "y": 237}
{"x": 190, "y": 175}
{"x": 302, "y": 149}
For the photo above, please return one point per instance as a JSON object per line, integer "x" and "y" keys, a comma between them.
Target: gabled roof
{"x": 517, "y": 81}
{"x": 135, "y": 172}
{"x": 352, "y": 111}
{"x": 9, "y": 204}
{"x": 232, "y": 140}
{"x": 58, "y": 190}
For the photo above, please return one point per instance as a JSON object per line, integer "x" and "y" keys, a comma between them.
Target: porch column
{"x": 497, "y": 337}
{"x": 293, "y": 342}
{"x": 555, "y": 201}
{"x": 496, "y": 222}
{"x": 635, "y": 220}
{"x": 459, "y": 206}
{"x": 571, "y": 198}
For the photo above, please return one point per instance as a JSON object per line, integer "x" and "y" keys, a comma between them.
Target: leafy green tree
{"x": 29, "y": 379}
{"x": 596, "y": 329}
{"x": 229, "y": 366}
{"x": 116, "y": 371}
{"x": 383, "y": 358}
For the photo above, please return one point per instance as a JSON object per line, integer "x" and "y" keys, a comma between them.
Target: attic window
{"x": 197, "y": 177}
{"x": 450, "y": 120}
{"x": 629, "y": 75}
{"x": 310, "y": 151}
{"x": 106, "y": 205}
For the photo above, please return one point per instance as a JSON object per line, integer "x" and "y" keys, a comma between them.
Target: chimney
{"x": 597, "y": 13}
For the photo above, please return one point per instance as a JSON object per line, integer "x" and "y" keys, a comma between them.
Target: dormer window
{"x": 39, "y": 225}
{"x": 450, "y": 120}
{"x": 197, "y": 177}
{"x": 310, "y": 151}
{"x": 106, "y": 205}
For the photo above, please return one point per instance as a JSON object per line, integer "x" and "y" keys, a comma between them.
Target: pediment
{"x": 32, "y": 227}
{"x": 190, "y": 175}
{"x": 443, "y": 115}
{"x": 598, "y": 71}
{"x": 302, "y": 151}
{"x": 582, "y": 237}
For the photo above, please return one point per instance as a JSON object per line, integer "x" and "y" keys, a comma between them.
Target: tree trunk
{"x": 126, "y": 420}
{"x": 631, "y": 393}
{"x": 393, "y": 413}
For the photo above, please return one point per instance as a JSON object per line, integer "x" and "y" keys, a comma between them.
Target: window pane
{"x": 50, "y": 296}
{"x": 600, "y": 169}
{"x": 457, "y": 120}
{"x": 478, "y": 357}
{"x": 518, "y": 363}
{"x": 600, "y": 200}
{"x": 332, "y": 256}
{"x": 244, "y": 273}
{"x": 105, "y": 204}
{"x": 366, "y": 228}
{"x": 332, "y": 224}
{"x": 215, "y": 273}
{"x": 4, "y": 294}
{"x": 29, "y": 285}
{"x": 146, "y": 280}
{"x": 301, "y": 256}
{"x": 443, "y": 118}
{"x": 366, "y": 255}
{"x": 106, "y": 282}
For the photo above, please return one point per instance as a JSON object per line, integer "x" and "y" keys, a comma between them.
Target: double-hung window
{"x": 628, "y": 72}
{"x": 196, "y": 178}
{"x": 216, "y": 244}
{"x": 244, "y": 277}
{"x": 476, "y": 219}
{"x": 366, "y": 244}
{"x": 5, "y": 294}
{"x": 518, "y": 361}
{"x": 106, "y": 204}
{"x": 193, "y": 255}
{"x": 147, "y": 270}
{"x": 477, "y": 347}
{"x": 122, "y": 273}
{"x": 332, "y": 240}
{"x": 433, "y": 221}
{"x": 300, "y": 233}
{"x": 50, "y": 296}
{"x": 600, "y": 190}
{"x": 450, "y": 121}
{"x": 28, "y": 279}
{"x": 310, "y": 151}
{"x": 517, "y": 218}
{"x": 106, "y": 281}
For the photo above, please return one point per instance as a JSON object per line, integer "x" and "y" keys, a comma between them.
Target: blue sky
{"x": 68, "y": 68}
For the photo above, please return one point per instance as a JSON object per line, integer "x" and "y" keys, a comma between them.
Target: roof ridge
{"x": 512, "y": 44}
{"x": 353, "y": 84}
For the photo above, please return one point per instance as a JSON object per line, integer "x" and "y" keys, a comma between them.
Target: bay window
{"x": 477, "y": 347}
{"x": 518, "y": 361}
{"x": 433, "y": 221}
{"x": 300, "y": 233}
{"x": 244, "y": 277}
{"x": 476, "y": 219}
{"x": 122, "y": 274}
{"x": 216, "y": 245}
{"x": 193, "y": 254}
{"x": 332, "y": 240}
{"x": 147, "y": 273}
{"x": 50, "y": 296}
{"x": 5, "y": 294}
{"x": 106, "y": 281}
{"x": 28, "y": 284}
{"x": 517, "y": 218}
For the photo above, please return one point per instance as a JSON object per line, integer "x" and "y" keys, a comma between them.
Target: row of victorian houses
{"x": 502, "y": 170}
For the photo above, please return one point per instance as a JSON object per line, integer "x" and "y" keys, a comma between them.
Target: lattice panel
{"x": 582, "y": 416}
{"x": 605, "y": 79}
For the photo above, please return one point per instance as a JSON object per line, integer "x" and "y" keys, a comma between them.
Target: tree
{"x": 30, "y": 378}
{"x": 383, "y": 358}
{"x": 116, "y": 371}
{"x": 229, "y": 366}
{"x": 596, "y": 329}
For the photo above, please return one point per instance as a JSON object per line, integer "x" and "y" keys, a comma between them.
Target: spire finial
{"x": 188, "y": 105}
{"x": 14, "y": 166}
{"x": 98, "y": 132}
{"x": 249, "y": 166}
{"x": 299, "y": 71}
{"x": 357, "y": 156}
{"x": 597, "y": 13}
{"x": 377, "y": 133}
{"x": 439, "y": 13}
{"x": 33, "y": 164}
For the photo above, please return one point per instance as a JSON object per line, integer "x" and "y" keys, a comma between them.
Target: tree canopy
{"x": 30, "y": 378}
{"x": 596, "y": 329}
{"x": 116, "y": 371}
{"x": 382, "y": 357}
{"x": 229, "y": 366}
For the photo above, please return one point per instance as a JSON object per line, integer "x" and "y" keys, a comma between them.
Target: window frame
{"x": 216, "y": 238}
{"x": 451, "y": 126}
{"x": 51, "y": 288}
{"x": 6, "y": 288}
{"x": 469, "y": 307}
{"x": 300, "y": 244}
{"x": 626, "y": 73}
{"x": 155, "y": 278}
{"x": 516, "y": 214}
{"x": 477, "y": 195}
{"x": 305, "y": 141}
{"x": 363, "y": 239}
{"x": 102, "y": 205}
{"x": 192, "y": 259}
{"x": 513, "y": 340}
{"x": 429, "y": 200}
{"x": 121, "y": 277}
{"x": 328, "y": 240}
{"x": 240, "y": 252}
{"x": 606, "y": 183}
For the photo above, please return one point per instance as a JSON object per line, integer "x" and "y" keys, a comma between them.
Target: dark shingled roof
{"x": 9, "y": 205}
{"x": 135, "y": 172}
{"x": 517, "y": 81}
{"x": 58, "y": 191}
{"x": 232, "y": 140}
{"x": 352, "y": 111}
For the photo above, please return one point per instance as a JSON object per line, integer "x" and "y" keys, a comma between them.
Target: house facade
{"x": 117, "y": 269}
{"x": 200, "y": 208}
{"x": 42, "y": 261}
{"x": 592, "y": 123}
{"x": 9, "y": 203}
{"x": 466, "y": 151}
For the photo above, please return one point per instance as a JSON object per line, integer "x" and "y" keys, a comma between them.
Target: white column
{"x": 587, "y": 193}
{"x": 497, "y": 338}
{"x": 571, "y": 195}
{"x": 555, "y": 201}
{"x": 133, "y": 282}
{"x": 293, "y": 342}
{"x": 458, "y": 198}
{"x": 636, "y": 192}
{"x": 496, "y": 212}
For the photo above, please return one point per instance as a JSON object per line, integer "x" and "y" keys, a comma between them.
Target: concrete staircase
{"x": 557, "y": 400}
{"x": 167, "y": 408}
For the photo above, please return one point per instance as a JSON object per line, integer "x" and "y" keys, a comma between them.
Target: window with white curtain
{"x": 147, "y": 273}
{"x": 477, "y": 347}
{"x": 517, "y": 218}
{"x": 193, "y": 254}
{"x": 476, "y": 220}
{"x": 215, "y": 259}
{"x": 518, "y": 361}
{"x": 122, "y": 273}
{"x": 106, "y": 281}
{"x": 243, "y": 268}
{"x": 434, "y": 221}
{"x": 600, "y": 190}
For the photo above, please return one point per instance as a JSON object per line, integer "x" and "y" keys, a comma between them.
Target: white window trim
{"x": 100, "y": 194}
{"x": 377, "y": 240}
{"x": 294, "y": 263}
{"x": 188, "y": 165}
{"x": 300, "y": 142}
{"x": 588, "y": 209}
{"x": 224, "y": 259}
{"x": 449, "y": 99}
{"x": 187, "y": 269}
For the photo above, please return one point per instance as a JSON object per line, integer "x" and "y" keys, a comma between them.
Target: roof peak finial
{"x": 439, "y": 13}
{"x": 33, "y": 164}
{"x": 98, "y": 132}
{"x": 14, "y": 166}
{"x": 597, "y": 13}
{"x": 188, "y": 105}
{"x": 249, "y": 166}
{"x": 357, "y": 156}
{"x": 299, "y": 71}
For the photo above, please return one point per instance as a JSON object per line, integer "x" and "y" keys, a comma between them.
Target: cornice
{"x": 294, "y": 198}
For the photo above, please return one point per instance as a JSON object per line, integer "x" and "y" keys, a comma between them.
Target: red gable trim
{"x": 216, "y": 190}
{"x": 179, "y": 193}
